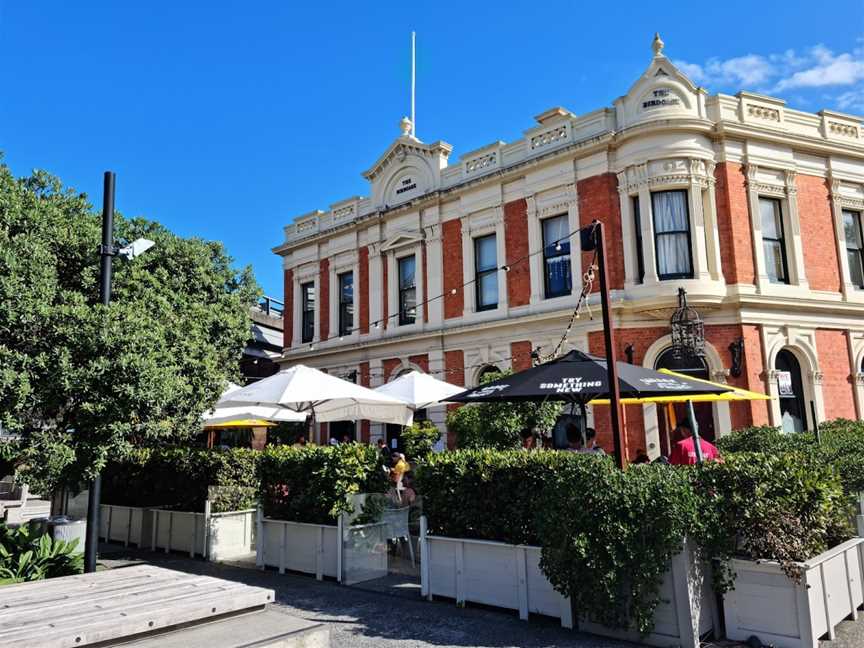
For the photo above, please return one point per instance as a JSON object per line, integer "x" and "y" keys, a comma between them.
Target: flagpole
{"x": 609, "y": 340}
{"x": 413, "y": 85}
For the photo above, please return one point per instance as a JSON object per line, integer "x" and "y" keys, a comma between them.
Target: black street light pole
{"x": 107, "y": 251}
{"x": 615, "y": 409}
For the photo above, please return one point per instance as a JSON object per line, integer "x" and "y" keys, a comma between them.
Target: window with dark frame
{"x": 672, "y": 245}
{"x": 854, "y": 246}
{"x": 346, "y": 303}
{"x": 556, "y": 256}
{"x": 637, "y": 227}
{"x": 486, "y": 272}
{"x": 773, "y": 240}
{"x": 307, "y": 321}
{"x": 407, "y": 291}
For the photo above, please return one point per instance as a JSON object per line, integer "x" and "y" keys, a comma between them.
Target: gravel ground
{"x": 364, "y": 619}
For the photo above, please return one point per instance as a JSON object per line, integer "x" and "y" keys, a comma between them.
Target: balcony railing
{"x": 271, "y": 306}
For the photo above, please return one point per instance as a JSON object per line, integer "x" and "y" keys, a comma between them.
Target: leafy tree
{"x": 83, "y": 383}
{"x": 500, "y": 425}
{"x": 420, "y": 439}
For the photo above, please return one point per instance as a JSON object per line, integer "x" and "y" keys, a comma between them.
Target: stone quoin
{"x": 466, "y": 266}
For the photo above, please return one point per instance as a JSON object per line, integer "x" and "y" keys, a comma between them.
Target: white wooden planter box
{"x": 217, "y": 536}
{"x": 687, "y": 608}
{"x": 298, "y": 546}
{"x": 230, "y": 535}
{"x": 509, "y": 576}
{"x": 491, "y": 573}
{"x": 768, "y": 604}
{"x": 126, "y": 524}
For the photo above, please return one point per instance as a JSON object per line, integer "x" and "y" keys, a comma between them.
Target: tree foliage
{"x": 81, "y": 382}
{"x": 500, "y": 425}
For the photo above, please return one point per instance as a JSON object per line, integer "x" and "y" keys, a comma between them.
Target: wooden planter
{"x": 217, "y": 536}
{"x": 768, "y": 604}
{"x": 298, "y": 546}
{"x": 509, "y": 576}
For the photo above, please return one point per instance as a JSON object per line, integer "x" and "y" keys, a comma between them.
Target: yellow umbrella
{"x": 734, "y": 394}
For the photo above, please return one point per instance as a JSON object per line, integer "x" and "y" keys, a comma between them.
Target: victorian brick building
{"x": 454, "y": 268}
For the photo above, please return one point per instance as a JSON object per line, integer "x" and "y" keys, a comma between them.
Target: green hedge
{"x": 314, "y": 484}
{"x": 607, "y": 536}
{"x": 180, "y": 478}
{"x": 842, "y": 446}
{"x": 489, "y": 494}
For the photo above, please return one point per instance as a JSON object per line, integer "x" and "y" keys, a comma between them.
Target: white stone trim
{"x": 782, "y": 188}
{"x": 801, "y": 342}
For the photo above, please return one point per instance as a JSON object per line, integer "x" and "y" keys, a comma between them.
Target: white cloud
{"x": 852, "y": 101}
{"x": 816, "y": 67}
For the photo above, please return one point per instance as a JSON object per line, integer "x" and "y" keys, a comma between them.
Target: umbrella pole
{"x": 609, "y": 339}
{"x": 583, "y": 424}
{"x": 694, "y": 426}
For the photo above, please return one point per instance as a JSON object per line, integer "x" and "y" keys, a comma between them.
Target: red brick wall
{"x": 451, "y": 244}
{"x": 521, "y": 354}
{"x": 733, "y": 223}
{"x": 742, "y": 413}
{"x": 421, "y": 361}
{"x": 363, "y": 289}
{"x": 837, "y": 376}
{"x": 385, "y": 299}
{"x": 324, "y": 298}
{"x": 641, "y": 339}
{"x": 516, "y": 248}
{"x": 454, "y": 365}
{"x": 817, "y": 233}
{"x": 598, "y": 199}
{"x": 288, "y": 314}
{"x": 364, "y": 380}
{"x": 388, "y": 366}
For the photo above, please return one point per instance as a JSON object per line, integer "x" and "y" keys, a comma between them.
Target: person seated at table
{"x": 574, "y": 438}
{"x": 529, "y": 441}
{"x": 590, "y": 446}
{"x": 684, "y": 450}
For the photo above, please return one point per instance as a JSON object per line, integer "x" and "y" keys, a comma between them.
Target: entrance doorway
{"x": 697, "y": 368}
{"x": 793, "y": 413}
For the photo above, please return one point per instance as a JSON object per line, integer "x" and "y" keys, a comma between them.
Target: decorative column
{"x": 697, "y": 218}
{"x": 712, "y": 233}
{"x": 434, "y": 256}
{"x": 627, "y": 232}
{"x": 794, "y": 220}
{"x": 762, "y": 280}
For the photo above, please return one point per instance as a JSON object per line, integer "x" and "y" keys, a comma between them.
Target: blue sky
{"x": 226, "y": 120}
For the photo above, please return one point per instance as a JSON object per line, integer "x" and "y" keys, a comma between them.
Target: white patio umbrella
{"x": 246, "y": 412}
{"x": 419, "y": 390}
{"x": 328, "y": 398}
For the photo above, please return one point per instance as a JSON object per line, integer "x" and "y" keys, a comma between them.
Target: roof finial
{"x": 657, "y": 45}
{"x": 407, "y": 127}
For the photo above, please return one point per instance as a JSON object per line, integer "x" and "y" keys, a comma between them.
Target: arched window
{"x": 791, "y": 391}
{"x": 486, "y": 371}
{"x": 696, "y": 367}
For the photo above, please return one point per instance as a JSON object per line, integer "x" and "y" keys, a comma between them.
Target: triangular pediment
{"x": 399, "y": 241}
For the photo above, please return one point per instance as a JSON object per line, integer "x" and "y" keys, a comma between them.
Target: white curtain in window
{"x": 671, "y": 229}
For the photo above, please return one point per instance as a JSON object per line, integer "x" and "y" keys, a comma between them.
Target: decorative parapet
{"x": 840, "y": 127}
{"x": 551, "y": 136}
{"x": 760, "y": 110}
{"x": 482, "y": 160}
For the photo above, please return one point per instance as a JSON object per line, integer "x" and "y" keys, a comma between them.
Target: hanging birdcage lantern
{"x": 688, "y": 331}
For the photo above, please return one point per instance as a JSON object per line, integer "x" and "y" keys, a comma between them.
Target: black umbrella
{"x": 577, "y": 377}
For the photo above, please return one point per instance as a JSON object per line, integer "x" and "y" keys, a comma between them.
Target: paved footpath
{"x": 364, "y": 619}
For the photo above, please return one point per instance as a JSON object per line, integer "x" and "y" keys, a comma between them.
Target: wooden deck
{"x": 117, "y": 604}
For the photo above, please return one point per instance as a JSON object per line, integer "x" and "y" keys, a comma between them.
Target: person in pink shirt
{"x": 684, "y": 450}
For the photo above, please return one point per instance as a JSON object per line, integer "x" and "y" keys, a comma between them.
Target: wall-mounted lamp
{"x": 736, "y": 349}
{"x": 535, "y": 357}
{"x": 629, "y": 351}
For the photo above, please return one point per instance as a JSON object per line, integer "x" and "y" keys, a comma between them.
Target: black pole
{"x": 106, "y": 256}
{"x": 816, "y": 430}
{"x": 609, "y": 339}
{"x": 694, "y": 429}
